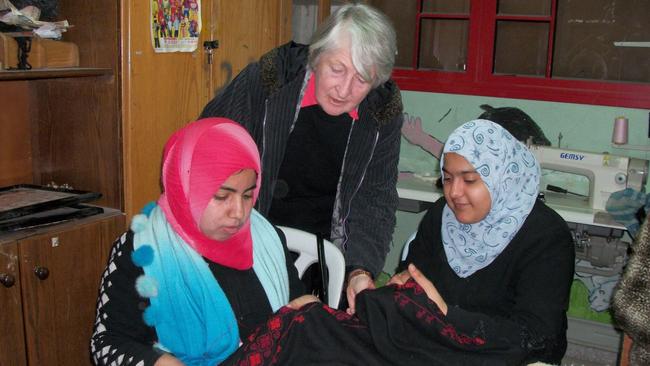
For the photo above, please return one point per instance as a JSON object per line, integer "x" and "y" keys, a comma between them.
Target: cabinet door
{"x": 60, "y": 277}
{"x": 164, "y": 91}
{"x": 246, "y": 29}
{"x": 12, "y": 339}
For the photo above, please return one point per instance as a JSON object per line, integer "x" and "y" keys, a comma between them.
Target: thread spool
{"x": 619, "y": 136}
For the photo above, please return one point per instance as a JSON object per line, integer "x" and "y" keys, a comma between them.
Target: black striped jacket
{"x": 265, "y": 97}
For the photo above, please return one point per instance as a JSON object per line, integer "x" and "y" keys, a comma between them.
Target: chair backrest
{"x": 407, "y": 246}
{"x": 304, "y": 243}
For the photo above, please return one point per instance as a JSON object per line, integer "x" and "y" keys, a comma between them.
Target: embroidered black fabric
{"x": 394, "y": 325}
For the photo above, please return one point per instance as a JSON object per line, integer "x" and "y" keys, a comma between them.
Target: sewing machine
{"x": 599, "y": 240}
{"x": 606, "y": 173}
{"x": 601, "y": 243}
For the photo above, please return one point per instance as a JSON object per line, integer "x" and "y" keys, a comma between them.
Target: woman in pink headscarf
{"x": 200, "y": 269}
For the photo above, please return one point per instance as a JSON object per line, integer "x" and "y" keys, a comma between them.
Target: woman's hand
{"x": 357, "y": 282}
{"x": 168, "y": 360}
{"x": 428, "y": 287}
{"x": 301, "y": 301}
{"x": 399, "y": 278}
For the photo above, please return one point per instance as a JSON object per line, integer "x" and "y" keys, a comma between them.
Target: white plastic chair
{"x": 304, "y": 243}
{"x": 407, "y": 246}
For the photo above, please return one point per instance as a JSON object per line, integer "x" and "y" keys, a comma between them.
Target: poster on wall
{"x": 175, "y": 25}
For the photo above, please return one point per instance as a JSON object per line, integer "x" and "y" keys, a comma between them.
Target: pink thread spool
{"x": 619, "y": 136}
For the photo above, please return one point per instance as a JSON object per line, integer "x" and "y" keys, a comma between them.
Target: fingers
{"x": 394, "y": 280}
{"x": 410, "y": 120}
{"x": 399, "y": 278}
{"x": 357, "y": 284}
{"x": 428, "y": 287}
{"x": 424, "y": 282}
{"x": 351, "y": 297}
{"x": 414, "y": 271}
{"x": 301, "y": 301}
{"x": 407, "y": 125}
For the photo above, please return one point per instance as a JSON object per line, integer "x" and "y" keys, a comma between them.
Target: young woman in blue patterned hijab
{"x": 497, "y": 262}
{"x": 491, "y": 182}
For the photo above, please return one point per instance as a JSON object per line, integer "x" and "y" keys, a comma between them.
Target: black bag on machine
{"x": 518, "y": 123}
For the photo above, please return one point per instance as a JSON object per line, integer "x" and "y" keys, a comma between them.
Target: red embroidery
{"x": 265, "y": 341}
{"x": 254, "y": 359}
{"x": 425, "y": 314}
{"x": 275, "y": 323}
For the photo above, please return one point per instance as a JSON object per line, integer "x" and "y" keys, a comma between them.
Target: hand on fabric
{"x": 399, "y": 278}
{"x": 428, "y": 288}
{"x": 357, "y": 283}
{"x": 168, "y": 360}
{"x": 301, "y": 301}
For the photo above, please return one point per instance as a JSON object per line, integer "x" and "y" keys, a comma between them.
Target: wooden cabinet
{"x": 50, "y": 278}
{"x": 101, "y": 127}
{"x": 64, "y": 125}
{"x": 12, "y": 345}
{"x": 61, "y": 125}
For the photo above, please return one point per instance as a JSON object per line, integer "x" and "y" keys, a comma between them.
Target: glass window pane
{"x": 403, "y": 15}
{"x": 445, "y": 6}
{"x": 521, "y": 48}
{"x": 524, "y": 7}
{"x": 443, "y": 44}
{"x": 335, "y": 4}
{"x": 304, "y": 19}
{"x": 585, "y": 36}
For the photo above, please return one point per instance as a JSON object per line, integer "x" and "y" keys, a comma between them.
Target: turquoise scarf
{"x": 189, "y": 310}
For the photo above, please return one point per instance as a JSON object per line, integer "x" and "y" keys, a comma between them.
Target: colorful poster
{"x": 175, "y": 25}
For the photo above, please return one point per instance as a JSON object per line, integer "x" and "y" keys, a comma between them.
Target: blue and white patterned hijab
{"x": 511, "y": 174}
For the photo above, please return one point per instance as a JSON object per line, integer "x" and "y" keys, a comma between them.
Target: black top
{"x": 521, "y": 297}
{"x": 307, "y": 181}
{"x": 120, "y": 330}
{"x": 264, "y": 97}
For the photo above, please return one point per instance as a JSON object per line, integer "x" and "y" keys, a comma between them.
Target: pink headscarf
{"x": 196, "y": 161}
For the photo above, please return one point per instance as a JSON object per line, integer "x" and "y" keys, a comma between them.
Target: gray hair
{"x": 373, "y": 43}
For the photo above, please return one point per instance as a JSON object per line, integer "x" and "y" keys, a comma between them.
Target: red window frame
{"x": 478, "y": 78}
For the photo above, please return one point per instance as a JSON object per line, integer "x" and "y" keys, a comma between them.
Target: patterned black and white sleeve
{"x": 120, "y": 336}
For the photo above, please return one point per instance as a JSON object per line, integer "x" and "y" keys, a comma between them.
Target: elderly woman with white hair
{"x": 326, "y": 118}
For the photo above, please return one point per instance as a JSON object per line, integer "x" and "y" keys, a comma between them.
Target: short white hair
{"x": 372, "y": 40}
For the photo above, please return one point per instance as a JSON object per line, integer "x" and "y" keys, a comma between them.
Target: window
{"x": 306, "y": 14}
{"x": 578, "y": 51}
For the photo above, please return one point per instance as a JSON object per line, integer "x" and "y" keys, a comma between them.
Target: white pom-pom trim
{"x": 138, "y": 222}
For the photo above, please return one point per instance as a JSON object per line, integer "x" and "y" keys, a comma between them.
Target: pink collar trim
{"x": 309, "y": 98}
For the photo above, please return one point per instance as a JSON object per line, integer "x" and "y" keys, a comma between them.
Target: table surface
{"x": 571, "y": 209}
